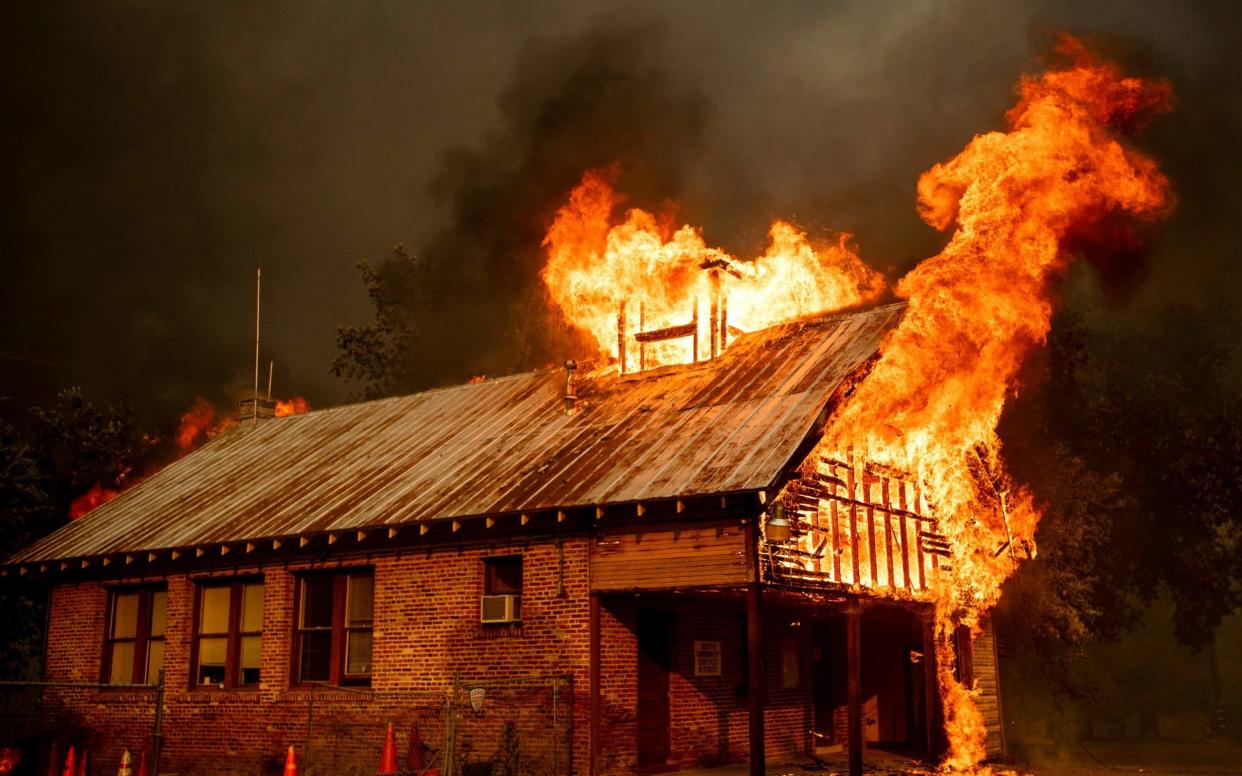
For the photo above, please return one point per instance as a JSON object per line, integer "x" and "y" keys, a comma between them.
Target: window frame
{"x": 340, "y": 629}
{"x": 142, "y": 638}
{"x": 233, "y": 636}
{"x": 491, "y": 564}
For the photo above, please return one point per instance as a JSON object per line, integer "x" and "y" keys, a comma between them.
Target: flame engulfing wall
{"x": 1019, "y": 201}
{"x": 933, "y": 400}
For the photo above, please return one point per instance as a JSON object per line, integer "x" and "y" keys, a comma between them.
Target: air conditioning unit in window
{"x": 501, "y": 609}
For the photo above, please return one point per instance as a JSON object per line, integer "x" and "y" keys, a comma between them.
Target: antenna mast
{"x": 258, "y": 287}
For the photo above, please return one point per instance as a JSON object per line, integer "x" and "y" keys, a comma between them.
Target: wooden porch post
{"x": 755, "y": 677}
{"x": 595, "y": 727}
{"x": 931, "y": 686}
{"x": 853, "y": 649}
{"x": 755, "y": 680}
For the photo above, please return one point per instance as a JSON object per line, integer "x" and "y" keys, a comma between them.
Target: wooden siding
{"x": 669, "y": 557}
{"x": 986, "y": 676}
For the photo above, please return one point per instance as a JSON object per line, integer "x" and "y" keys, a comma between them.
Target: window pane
{"x": 125, "y": 616}
{"x": 159, "y": 606}
{"x": 315, "y": 661}
{"x": 155, "y": 660}
{"x": 359, "y": 599}
{"x": 121, "y": 663}
{"x": 212, "y": 653}
{"x": 252, "y": 607}
{"x": 317, "y": 602}
{"x": 249, "y": 660}
{"x": 213, "y": 614}
{"x": 503, "y": 576}
{"x": 358, "y": 652}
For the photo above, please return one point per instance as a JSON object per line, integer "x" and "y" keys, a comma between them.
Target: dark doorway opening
{"x": 655, "y": 653}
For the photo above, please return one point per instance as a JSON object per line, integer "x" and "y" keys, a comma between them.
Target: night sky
{"x": 156, "y": 153}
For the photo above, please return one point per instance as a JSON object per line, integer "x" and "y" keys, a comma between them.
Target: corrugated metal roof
{"x": 495, "y": 447}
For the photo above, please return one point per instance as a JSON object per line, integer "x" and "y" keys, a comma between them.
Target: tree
{"x": 382, "y": 354}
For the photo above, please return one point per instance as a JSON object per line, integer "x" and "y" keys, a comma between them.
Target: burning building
{"x": 757, "y": 528}
{"x": 656, "y": 538}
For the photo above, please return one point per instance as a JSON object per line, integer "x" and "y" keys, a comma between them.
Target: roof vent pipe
{"x": 571, "y": 398}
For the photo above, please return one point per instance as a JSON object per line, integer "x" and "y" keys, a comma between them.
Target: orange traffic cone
{"x": 70, "y": 769}
{"x": 142, "y": 762}
{"x": 53, "y": 760}
{"x": 388, "y": 755}
{"x": 291, "y": 763}
{"x": 126, "y": 768}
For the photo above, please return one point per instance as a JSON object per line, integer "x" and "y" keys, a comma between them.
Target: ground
{"x": 1149, "y": 759}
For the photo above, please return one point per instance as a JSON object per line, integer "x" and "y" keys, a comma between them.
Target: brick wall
{"x": 709, "y": 724}
{"x": 426, "y": 630}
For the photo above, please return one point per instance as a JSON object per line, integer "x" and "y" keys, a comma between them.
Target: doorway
{"x": 655, "y": 653}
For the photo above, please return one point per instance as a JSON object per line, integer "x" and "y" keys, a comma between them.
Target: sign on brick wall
{"x": 707, "y": 658}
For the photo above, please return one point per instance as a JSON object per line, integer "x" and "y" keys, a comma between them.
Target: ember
{"x": 92, "y": 498}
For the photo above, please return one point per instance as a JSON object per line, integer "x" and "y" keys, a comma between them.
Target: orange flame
{"x": 932, "y": 402}
{"x": 295, "y": 406}
{"x": 596, "y": 268}
{"x": 96, "y": 496}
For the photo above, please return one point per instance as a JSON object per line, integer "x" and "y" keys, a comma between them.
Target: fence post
{"x": 157, "y": 735}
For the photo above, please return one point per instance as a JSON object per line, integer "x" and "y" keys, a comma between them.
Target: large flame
{"x": 932, "y": 402}
{"x": 655, "y": 273}
{"x": 96, "y": 496}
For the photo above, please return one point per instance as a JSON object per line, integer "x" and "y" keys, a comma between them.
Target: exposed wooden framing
{"x": 620, "y": 339}
{"x": 853, "y": 529}
{"x": 595, "y": 730}
{"x": 871, "y": 558}
{"x": 918, "y": 545}
{"x": 836, "y": 542}
{"x": 853, "y": 650}
{"x": 905, "y": 538}
{"x": 888, "y": 539}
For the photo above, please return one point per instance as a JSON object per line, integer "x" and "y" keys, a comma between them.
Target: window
{"x": 502, "y": 575}
{"x": 791, "y": 663}
{"x": 334, "y": 626}
{"x": 502, "y": 590}
{"x": 229, "y": 619}
{"x": 134, "y": 643}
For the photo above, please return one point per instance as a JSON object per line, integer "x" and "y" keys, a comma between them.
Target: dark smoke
{"x": 156, "y": 153}
{"x": 591, "y": 100}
